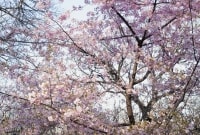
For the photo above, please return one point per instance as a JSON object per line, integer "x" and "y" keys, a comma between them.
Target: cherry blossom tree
{"x": 17, "y": 51}
{"x": 144, "y": 54}
{"x": 146, "y": 51}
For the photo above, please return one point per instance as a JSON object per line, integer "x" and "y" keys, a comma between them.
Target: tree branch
{"x": 21, "y": 98}
{"x": 186, "y": 89}
{"x": 127, "y": 24}
{"x": 113, "y": 38}
{"x": 143, "y": 78}
{"x": 167, "y": 23}
{"x": 89, "y": 127}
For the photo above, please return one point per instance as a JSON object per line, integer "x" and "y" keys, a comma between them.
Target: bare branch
{"x": 119, "y": 37}
{"x": 89, "y": 127}
{"x": 186, "y": 89}
{"x": 143, "y": 78}
{"x": 127, "y": 24}
{"x": 192, "y": 25}
{"x": 167, "y": 23}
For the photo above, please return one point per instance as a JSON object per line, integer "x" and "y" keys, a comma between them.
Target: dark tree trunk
{"x": 129, "y": 109}
{"x": 145, "y": 113}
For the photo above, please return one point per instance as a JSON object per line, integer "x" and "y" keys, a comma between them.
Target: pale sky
{"x": 68, "y": 5}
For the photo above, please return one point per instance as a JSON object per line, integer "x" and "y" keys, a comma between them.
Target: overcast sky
{"x": 68, "y": 5}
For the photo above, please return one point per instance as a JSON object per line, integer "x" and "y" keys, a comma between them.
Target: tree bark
{"x": 145, "y": 113}
{"x": 129, "y": 109}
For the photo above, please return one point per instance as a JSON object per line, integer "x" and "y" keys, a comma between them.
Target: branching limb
{"x": 143, "y": 78}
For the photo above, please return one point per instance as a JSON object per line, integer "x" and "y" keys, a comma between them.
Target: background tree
{"x": 18, "y": 58}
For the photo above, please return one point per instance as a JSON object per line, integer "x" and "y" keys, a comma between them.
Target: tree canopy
{"x": 130, "y": 67}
